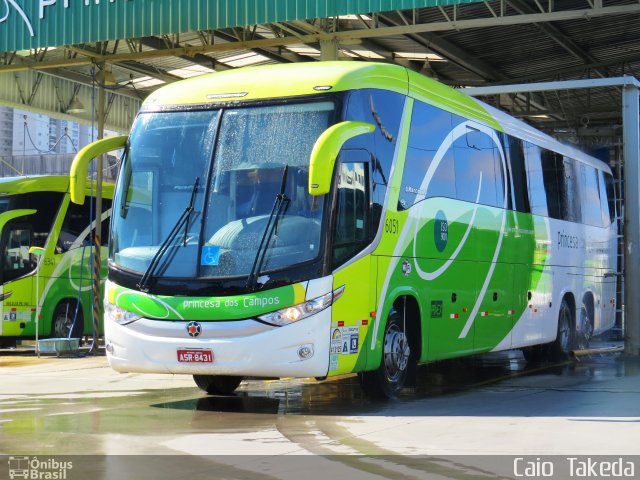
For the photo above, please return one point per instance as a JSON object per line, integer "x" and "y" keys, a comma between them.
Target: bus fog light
{"x": 305, "y": 351}
{"x": 109, "y": 347}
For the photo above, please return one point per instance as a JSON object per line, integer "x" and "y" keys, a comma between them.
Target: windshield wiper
{"x": 164, "y": 246}
{"x": 124, "y": 208}
{"x": 277, "y": 209}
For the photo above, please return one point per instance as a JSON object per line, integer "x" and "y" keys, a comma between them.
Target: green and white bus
{"x": 314, "y": 220}
{"x": 45, "y": 278}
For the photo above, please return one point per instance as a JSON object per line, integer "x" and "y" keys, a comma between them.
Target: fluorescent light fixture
{"x": 28, "y": 53}
{"x": 146, "y": 81}
{"x": 432, "y": 57}
{"x": 309, "y": 51}
{"x": 191, "y": 71}
{"x": 366, "y": 53}
{"x": 243, "y": 59}
{"x": 355, "y": 17}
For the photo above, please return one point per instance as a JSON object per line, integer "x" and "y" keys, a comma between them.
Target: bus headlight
{"x": 288, "y": 315}
{"x": 120, "y": 315}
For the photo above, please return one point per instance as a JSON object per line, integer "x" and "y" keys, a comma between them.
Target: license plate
{"x": 195, "y": 356}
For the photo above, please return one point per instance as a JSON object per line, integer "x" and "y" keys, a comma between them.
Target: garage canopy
{"x": 41, "y": 23}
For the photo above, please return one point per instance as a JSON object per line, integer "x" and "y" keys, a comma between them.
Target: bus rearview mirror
{"x": 325, "y": 152}
{"x": 80, "y": 165}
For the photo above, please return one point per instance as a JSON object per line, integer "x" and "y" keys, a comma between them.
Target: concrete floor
{"x": 488, "y": 405}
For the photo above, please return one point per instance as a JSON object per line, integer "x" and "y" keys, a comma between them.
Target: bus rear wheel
{"x": 565, "y": 337}
{"x": 583, "y": 337}
{"x": 63, "y": 325}
{"x": 387, "y": 381}
{"x": 217, "y": 384}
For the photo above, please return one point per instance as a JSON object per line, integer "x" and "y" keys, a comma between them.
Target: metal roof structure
{"x": 461, "y": 43}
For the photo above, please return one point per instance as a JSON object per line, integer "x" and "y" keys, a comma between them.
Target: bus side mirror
{"x": 80, "y": 165}
{"x": 5, "y": 217}
{"x": 325, "y": 152}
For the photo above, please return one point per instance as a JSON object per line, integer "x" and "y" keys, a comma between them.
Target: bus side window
{"x": 475, "y": 162}
{"x": 352, "y": 211}
{"x": 384, "y": 110}
{"x": 607, "y": 200}
{"x": 590, "y": 195}
{"x": 554, "y": 181}
{"x": 535, "y": 180}
{"x": 15, "y": 252}
{"x": 515, "y": 157}
{"x": 570, "y": 193}
{"x": 75, "y": 228}
{"x": 75, "y": 231}
{"x": 430, "y": 127}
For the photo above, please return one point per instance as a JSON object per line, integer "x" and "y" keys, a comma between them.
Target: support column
{"x": 97, "y": 258}
{"x": 328, "y": 50}
{"x": 631, "y": 122}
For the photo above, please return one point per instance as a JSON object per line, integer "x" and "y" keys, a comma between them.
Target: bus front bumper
{"x": 243, "y": 347}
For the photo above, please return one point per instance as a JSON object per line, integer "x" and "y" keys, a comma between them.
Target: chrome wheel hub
{"x": 396, "y": 353}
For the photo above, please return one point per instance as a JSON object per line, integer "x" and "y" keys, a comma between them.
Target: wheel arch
{"x": 73, "y": 304}
{"x": 410, "y": 308}
{"x": 589, "y": 301}
{"x": 401, "y": 296}
{"x": 570, "y": 297}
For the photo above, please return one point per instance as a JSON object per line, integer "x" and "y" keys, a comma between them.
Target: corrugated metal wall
{"x": 22, "y": 28}
{"x": 50, "y": 164}
{"x": 53, "y": 96}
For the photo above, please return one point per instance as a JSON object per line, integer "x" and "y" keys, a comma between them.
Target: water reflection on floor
{"x": 506, "y": 371}
{"x": 307, "y": 416}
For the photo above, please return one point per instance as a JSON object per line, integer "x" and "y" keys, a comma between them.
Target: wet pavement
{"x": 488, "y": 405}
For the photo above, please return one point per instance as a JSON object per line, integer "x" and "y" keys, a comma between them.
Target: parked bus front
{"x": 215, "y": 230}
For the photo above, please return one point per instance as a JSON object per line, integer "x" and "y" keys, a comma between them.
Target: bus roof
{"x": 298, "y": 79}
{"x": 277, "y": 81}
{"x": 47, "y": 183}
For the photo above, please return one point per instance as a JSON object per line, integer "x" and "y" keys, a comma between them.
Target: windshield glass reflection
{"x": 240, "y": 156}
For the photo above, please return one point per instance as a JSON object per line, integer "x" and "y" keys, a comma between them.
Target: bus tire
{"x": 217, "y": 384}
{"x": 583, "y": 336}
{"x": 565, "y": 337}
{"x": 387, "y": 381}
{"x": 62, "y": 321}
{"x": 536, "y": 354}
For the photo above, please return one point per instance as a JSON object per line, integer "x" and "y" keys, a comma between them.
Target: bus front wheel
{"x": 217, "y": 384}
{"x": 63, "y": 325}
{"x": 387, "y": 381}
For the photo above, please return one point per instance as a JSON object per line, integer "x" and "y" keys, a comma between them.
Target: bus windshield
{"x": 25, "y": 231}
{"x": 214, "y": 177}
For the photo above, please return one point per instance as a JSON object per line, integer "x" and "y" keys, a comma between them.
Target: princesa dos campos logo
{"x": 36, "y": 469}
{"x": 14, "y": 6}
{"x": 12, "y": 11}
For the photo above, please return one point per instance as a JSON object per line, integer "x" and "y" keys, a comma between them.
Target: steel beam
{"x": 551, "y": 86}
{"x": 631, "y": 149}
